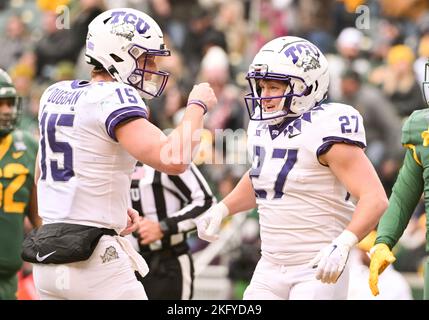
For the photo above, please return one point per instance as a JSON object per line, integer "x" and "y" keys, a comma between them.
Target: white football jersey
{"x": 302, "y": 205}
{"x": 85, "y": 174}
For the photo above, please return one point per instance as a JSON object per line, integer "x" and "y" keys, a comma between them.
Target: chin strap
{"x": 114, "y": 73}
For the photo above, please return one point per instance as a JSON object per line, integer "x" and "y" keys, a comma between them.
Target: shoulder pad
{"x": 337, "y": 108}
{"x": 416, "y": 124}
{"x": 102, "y": 90}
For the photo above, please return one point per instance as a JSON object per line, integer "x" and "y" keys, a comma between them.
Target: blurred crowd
{"x": 377, "y": 50}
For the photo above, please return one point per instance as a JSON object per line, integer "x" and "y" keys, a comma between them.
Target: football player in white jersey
{"x": 92, "y": 132}
{"x": 316, "y": 191}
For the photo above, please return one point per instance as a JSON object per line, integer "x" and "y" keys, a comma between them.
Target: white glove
{"x": 208, "y": 224}
{"x": 331, "y": 260}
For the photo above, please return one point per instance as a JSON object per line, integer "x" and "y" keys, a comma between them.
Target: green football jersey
{"x": 18, "y": 152}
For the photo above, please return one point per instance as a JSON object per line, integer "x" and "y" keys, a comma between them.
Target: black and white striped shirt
{"x": 177, "y": 200}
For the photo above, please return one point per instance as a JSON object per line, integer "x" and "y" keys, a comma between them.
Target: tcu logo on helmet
{"x": 306, "y": 53}
{"x": 130, "y": 18}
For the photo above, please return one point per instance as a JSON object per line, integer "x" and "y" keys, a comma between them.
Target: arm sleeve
{"x": 406, "y": 193}
{"x": 199, "y": 198}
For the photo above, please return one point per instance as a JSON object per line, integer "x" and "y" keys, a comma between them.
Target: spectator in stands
{"x": 200, "y": 32}
{"x": 398, "y": 82}
{"x": 55, "y": 45}
{"x": 14, "y": 42}
{"x": 349, "y": 44}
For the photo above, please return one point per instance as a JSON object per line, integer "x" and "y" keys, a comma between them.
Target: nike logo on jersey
{"x": 17, "y": 155}
{"x": 294, "y": 135}
{"x": 42, "y": 258}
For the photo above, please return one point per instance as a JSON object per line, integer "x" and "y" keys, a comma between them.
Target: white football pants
{"x": 107, "y": 274}
{"x": 272, "y": 281}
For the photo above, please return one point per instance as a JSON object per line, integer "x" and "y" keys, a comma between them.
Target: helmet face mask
{"x": 294, "y": 87}
{"x": 295, "y": 61}
{"x": 426, "y": 84}
{"x": 117, "y": 39}
{"x": 10, "y": 105}
{"x": 9, "y": 120}
{"x": 150, "y": 82}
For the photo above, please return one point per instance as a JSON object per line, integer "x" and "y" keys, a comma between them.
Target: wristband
{"x": 199, "y": 103}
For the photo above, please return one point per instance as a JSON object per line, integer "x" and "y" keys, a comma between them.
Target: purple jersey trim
{"x": 77, "y": 84}
{"x": 120, "y": 115}
{"x": 259, "y": 193}
{"x": 328, "y": 142}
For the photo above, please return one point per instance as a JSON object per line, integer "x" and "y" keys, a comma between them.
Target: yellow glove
{"x": 381, "y": 257}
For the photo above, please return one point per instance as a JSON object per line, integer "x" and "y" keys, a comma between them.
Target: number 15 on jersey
{"x": 50, "y": 125}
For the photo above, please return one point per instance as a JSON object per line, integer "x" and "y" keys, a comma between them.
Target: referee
{"x": 167, "y": 205}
